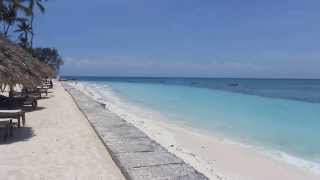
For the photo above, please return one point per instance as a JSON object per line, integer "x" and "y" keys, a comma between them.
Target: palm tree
{"x": 31, "y": 9}
{"x": 18, "y": 5}
{"x": 8, "y": 18}
{"x": 24, "y": 29}
{"x": 8, "y": 13}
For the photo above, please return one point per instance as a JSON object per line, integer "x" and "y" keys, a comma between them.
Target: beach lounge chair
{"x": 17, "y": 114}
{"x": 27, "y": 94}
{"x": 48, "y": 83}
{"x": 42, "y": 90}
{"x": 18, "y": 100}
{"x": 32, "y": 93}
{"x": 27, "y": 101}
{"x": 6, "y": 128}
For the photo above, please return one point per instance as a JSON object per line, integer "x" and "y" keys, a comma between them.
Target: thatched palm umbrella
{"x": 6, "y": 77}
{"x": 17, "y": 66}
{"x": 13, "y": 72}
{"x": 49, "y": 71}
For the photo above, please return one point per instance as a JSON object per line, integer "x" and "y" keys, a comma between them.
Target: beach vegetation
{"x": 8, "y": 17}
{"x": 33, "y": 5}
{"x": 17, "y": 24}
{"x": 24, "y": 29}
{"x": 17, "y": 13}
{"x": 49, "y": 56}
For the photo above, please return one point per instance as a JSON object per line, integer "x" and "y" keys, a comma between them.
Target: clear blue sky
{"x": 225, "y": 38}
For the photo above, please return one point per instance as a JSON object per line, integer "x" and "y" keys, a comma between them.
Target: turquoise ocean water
{"x": 280, "y": 115}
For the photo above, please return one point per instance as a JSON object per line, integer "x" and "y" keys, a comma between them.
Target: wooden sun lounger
{"x": 36, "y": 94}
{"x": 31, "y": 93}
{"x": 30, "y": 101}
{"x": 48, "y": 84}
{"x": 43, "y": 90}
{"x": 17, "y": 114}
{"x": 19, "y": 100}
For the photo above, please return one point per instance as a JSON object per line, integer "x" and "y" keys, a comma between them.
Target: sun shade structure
{"x": 17, "y": 66}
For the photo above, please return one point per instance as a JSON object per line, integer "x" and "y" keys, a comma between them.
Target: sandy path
{"x": 57, "y": 143}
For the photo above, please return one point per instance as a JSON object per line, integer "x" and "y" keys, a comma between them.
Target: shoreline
{"x": 136, "y": 154}
{"x": 216, "y": 157}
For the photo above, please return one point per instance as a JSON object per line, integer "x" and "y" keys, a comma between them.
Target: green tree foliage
{"x": 21, "y": 14}
{"x": 49, "y": 56}
{"x": 8, "y": 16}
{"x": 13, "y": 12}
{"x": 33, "y": 4}
{"x": 24, "y": 30}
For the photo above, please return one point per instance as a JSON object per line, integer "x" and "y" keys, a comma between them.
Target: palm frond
{"x": 41, "y": 7}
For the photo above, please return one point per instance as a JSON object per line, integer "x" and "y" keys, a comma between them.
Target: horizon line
{"x": 190, "y": 77}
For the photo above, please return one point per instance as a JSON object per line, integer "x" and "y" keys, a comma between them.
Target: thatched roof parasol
{"x": 17, "y": 66}
{"x": 14, "y": 72}
{"x": 48, "y": 71}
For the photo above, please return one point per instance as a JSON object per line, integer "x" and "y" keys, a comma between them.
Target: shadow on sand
{"x": 19, "y": 134}
{"x": 30, "y": 109}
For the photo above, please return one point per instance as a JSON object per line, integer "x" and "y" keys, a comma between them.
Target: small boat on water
{"x": 234, "y": 84}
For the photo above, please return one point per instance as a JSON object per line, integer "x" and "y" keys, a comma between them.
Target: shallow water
{"x": 288, "y": 122}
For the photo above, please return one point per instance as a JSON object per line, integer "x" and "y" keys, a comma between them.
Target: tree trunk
{"x": 6, "y": 31}
{"x": 31, "y": 23}
{"x": 4, "y": 28}
{"x": 26, "y": 39}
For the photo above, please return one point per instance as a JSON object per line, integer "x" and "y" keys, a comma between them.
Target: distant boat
{"x": 234, "y": 84}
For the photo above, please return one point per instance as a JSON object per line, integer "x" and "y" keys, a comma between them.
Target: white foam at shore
{"x": 137, "y": 114}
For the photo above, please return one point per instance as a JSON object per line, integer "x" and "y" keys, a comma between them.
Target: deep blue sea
{"x": 277, "y": 114}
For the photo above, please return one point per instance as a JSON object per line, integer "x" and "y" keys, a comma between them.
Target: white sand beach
{"x": 56, "y": 143}
{"x": 220, "y": 159}
{"x": 216, "y": 157}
